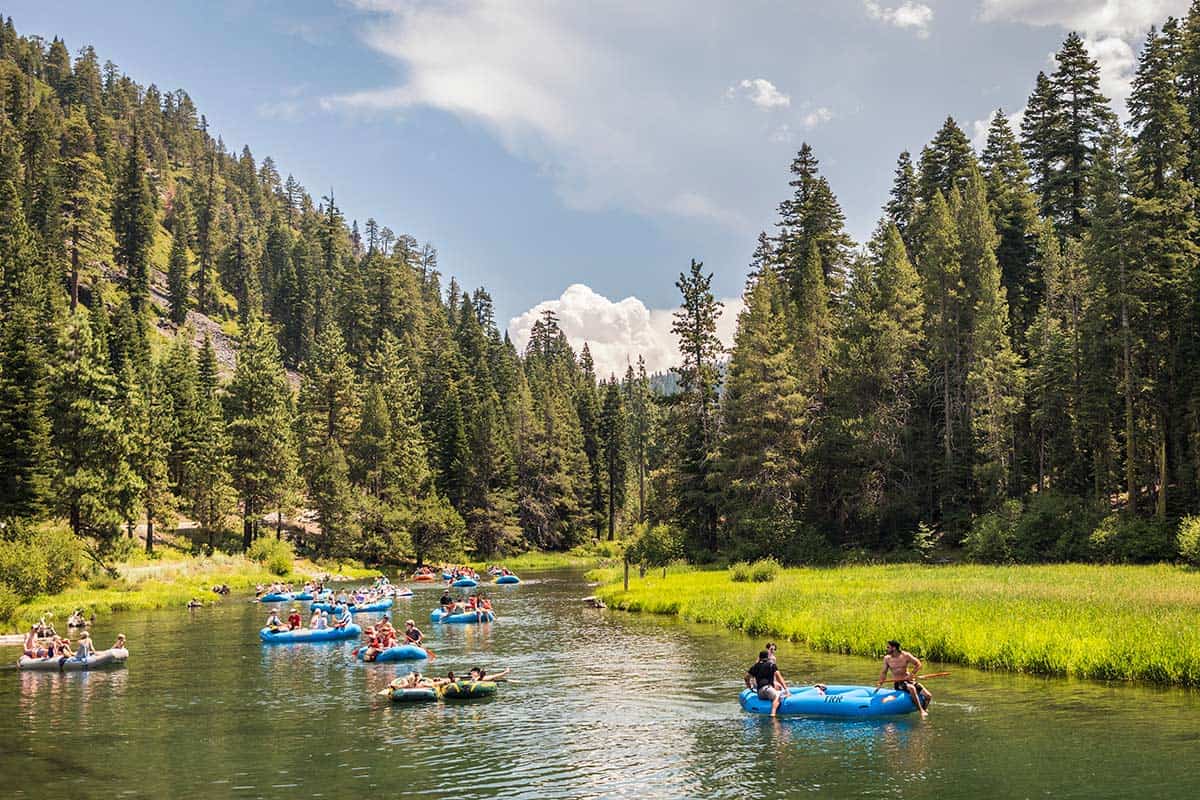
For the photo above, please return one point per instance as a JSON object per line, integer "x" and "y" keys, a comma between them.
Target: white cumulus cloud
{"x": 761, "y": 92}
{"x": 908, "y": 14}
{"x": 617, "y": 332}
{"x": 1112, "y": 30}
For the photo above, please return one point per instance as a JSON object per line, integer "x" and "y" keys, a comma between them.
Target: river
{"x": 604, "y": 704}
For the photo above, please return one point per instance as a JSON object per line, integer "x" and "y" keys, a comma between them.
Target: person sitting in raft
{"x": 412, "y": 634}
{"x": 446, "y": 601}
{"x": 765, "y": 678}
{"x": 322, "y": 622}
{"x": 119, "y": 644}
{"x": 770, "y": 648}
{"x": 480, "y": 674}
{"x": 32, "y": 647}
{"x": 897, "y": 661}
{"x": 344, "y": 617}
{"x": 294, "y": 620}
{"x": 412, "y": 680}
{"x": 86, "y": 648}
{"x": 274, "y": 622}
{"x": 314, "y": 619}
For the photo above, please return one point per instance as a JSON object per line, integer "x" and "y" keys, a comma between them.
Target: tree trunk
{"x": 247, "y": 532}
{"x": 1127, "y": 363}
{"x": 279, "y": 524}
{"x": 149, "y": 535}
{"x": 75, "y": 270}
{"x": 612, "y": 508}
{"x": 1160, "y": 508}
{"x": 627, "y": 574}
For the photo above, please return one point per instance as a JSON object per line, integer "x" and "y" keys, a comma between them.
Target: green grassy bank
{"x": 1103, "y": 622}
{"x": 149, "y": 584}
{"x": 584, "y": 557}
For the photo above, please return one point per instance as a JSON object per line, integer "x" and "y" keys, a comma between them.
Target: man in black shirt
{"x": 765, "y": 678}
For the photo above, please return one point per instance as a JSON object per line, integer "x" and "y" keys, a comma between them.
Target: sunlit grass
{"x": 1105, "y": 622}
{"x": 149, "y": 584}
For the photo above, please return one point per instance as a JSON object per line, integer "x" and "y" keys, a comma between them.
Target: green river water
{"x": 605, "y": 705}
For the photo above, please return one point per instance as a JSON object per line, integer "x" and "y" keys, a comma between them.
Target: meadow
{"x": 1138, "y": 623}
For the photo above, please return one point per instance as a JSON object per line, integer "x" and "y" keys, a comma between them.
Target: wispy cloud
{"x": 597, "y": 101}
{"x": 915, "y": 16}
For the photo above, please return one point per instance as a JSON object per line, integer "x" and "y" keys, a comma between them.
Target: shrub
{"x": 739, "y": 572}
{"x": 1188, "y": 540}
{"x": 275, "y": 554}
{"x": 62, "y": 551}
{"x": 990, "y": 540}
{"x": 1126, "y": 539}
{"x": 22, "y": 568}
{"x": 924, "y": 541}
{"x": 1053, "y": 527}
{"x": 764, "y": 570}
{"x": 9, "y": 600}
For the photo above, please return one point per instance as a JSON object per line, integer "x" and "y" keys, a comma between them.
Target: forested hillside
{"x": 1009, "y": 364}
{"x": 416, "y": 427}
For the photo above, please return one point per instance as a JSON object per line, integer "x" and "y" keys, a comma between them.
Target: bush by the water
{"x": 1188, "y": 540}
{"x": 762, "y": 571}
{"x": 38, "y": 560}
{"x": 275, "y": 554}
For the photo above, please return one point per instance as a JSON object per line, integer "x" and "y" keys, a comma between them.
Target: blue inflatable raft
{"x": 463, "y": 617}
{"x": 859, "y": 702}
{"x": 365, "y": 608}
{"x": 403, "y": 652}
{"x": 507, "y": 579}
{"x": 302, "y": 635}
{"x": 302, "y": 596}
{"x": 276, "y": 598}
{"x": 465, "y": 582}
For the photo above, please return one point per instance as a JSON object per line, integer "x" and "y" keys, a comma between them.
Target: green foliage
{"x": 764, "y": 570}
{"x": 1125, "y": 539}
{"x": 1188, "y": 540}
{"x": 654, "y": 545}
{"x": 38, "y": 560}
{"x": 275, "y": 554}
{"x": 990, "y": 540}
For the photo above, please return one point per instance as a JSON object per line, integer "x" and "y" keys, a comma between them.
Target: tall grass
{"x": 1104, "y": 622}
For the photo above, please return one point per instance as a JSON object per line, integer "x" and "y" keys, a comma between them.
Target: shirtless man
{"x": 897, "y": 662}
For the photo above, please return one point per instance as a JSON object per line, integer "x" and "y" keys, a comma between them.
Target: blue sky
{"x": 594, "y": 145}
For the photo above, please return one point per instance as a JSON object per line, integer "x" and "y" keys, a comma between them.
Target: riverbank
{"x": 149, "y": 584}
{"x": 1100, "y": 622}
{"x": 583, "y": 557}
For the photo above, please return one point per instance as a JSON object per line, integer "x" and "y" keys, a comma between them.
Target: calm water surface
{"x": 605, "y": 705}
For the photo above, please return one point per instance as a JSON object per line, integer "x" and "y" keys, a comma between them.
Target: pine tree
{"x": 812, "y": 215}
{"x": 902, "y": 207}
{"x": 179, "y": 265}
{"x": 1163, "y": 237}
{"x": 86, "y": 222}
{"x": 134, "y": 224}
{"x": 24, "y": 426}
{"x": 611, "y": 428}
{"x": 995, "y": 376}
{"x": 695, "y": 324}
{"x": 1014, "y": 212}
{"x": 1082, "y": 115}
{"x": 945, "y": 163}
{"x": 587, "y": 405}
{"x": 262, "y": 454}
{"x": 765, "y": 414}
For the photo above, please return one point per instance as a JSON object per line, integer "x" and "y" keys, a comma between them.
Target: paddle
{"x": 920, "y": 678}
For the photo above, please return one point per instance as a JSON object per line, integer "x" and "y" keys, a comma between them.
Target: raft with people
{"x": 115, "y": 657}
{"x": 364, "y": 608}
{"x": 400, "y": 652}
{"x": 507, "y": 579}
{"x": 303, "y": 635}
{"x": 860, "y": 702}
{"x": 466, "y": 690}
{"x": 415, "y": 694}
{"x": 462, "y": 617}
{"x": 464, "y": 582}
